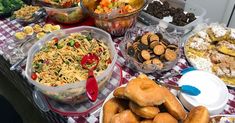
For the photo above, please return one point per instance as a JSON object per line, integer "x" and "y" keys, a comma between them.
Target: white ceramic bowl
{"x": 214, "y": 93}
{"x": 111, "y": 96}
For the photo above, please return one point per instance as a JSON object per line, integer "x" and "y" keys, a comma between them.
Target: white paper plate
{"x": 214, "y": 93}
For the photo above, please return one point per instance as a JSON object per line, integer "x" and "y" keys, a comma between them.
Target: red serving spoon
{"x": 91, "y": 83}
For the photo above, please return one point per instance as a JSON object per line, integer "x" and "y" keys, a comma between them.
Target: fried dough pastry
{"x": 144, "y": 92}
{"x": 119, "y": 93}
{"x": 173, "y": 106}
{"x": 146, "y": 121}
{"x": 125, "y": 117}
{"x": 112, "y": 107}
{"x": 198, "y": 114}
{"x": 148, "y": 112}
{"x": 164, "y": 118}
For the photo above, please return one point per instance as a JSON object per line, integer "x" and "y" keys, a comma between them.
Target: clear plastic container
{"x": 72, "y": 93}
{"x": 171, "y": 28}
{"x": 114, "y": 23}
{"x": 135, "y": 32}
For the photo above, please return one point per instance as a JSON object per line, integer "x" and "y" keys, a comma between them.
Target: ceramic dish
{"x": 214, "y": 93}
{"x": 107, "y": 98}
{"x": 222, "y": 119}
{"x": 215, "y": 55}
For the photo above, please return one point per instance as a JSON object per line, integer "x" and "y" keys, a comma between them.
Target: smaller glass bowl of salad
{"x": 63, "y": 11}
{"x": 114, "y": 16}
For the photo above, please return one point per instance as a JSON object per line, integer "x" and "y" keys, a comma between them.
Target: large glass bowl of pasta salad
{"x": 54, "y": 62}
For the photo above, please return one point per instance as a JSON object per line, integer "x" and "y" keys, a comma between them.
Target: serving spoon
{"x": 90, "y": 62}
{"x": 187, "y": 89}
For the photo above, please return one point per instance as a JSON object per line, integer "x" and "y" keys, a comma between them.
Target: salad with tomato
{"x": 63, "y": 3}
{"x": 108, "y": 6}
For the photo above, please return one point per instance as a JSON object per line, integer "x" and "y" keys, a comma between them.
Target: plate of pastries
{"x": 142, "y": 100}
{"x": 213, "y": 49}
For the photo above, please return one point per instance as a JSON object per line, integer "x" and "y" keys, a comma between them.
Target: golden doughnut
{"x": 125, "y": 117}
{"x": 119, "y": 93}
{"x": 146, "y": 121}
{"x": 112, "y": 107}
{"x": 164, "y": 118}
{"x": 198, "y": 114}
{"x": 148, "y": 112}
{"x": 144, "y": 92}
{"x": 173, "y": 106}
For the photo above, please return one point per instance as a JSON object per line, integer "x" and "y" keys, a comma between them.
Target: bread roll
{"x": 119, "y": 93}
{"x": 125, "y": 117}
{"x": 173, "y": 106}
{"x": 164, "y": 118}
{"x": 198, "y": 114}
{"x": 148, "y": 112}
{"x": 112, "y": 107}
{"x": 146, "y": 121}
{"x": 144, "y": 92}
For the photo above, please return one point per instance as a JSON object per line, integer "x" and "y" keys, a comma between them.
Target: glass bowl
{"x": 32, "y": 16}
{"x": 114, "y": 23}
{"x": 130, "y": 38}
{"x": 68, "y": 15}
{"x": 71, "y": 93}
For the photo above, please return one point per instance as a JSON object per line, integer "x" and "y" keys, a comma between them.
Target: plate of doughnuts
{"x": 144, "y": 101}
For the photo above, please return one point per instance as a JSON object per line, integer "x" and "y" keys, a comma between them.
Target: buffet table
{"x": 9, "y": 27}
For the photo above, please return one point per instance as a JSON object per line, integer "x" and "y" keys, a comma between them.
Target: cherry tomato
{"x": 77, "y": 45}
{"x": 56, "y": 40}
{"x": 34, "y": 76}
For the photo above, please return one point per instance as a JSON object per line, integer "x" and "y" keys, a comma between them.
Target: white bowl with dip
{"x": 214, "y": 93}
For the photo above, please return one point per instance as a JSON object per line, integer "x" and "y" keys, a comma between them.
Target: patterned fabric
{"x": 8, "y": 28}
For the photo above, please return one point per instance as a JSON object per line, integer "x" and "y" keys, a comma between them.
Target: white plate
{"x": 111, "y": 96}
{"x": 190, "y": 61}
{"x": 224, "y": 116}
{"x": 214, "y": 93}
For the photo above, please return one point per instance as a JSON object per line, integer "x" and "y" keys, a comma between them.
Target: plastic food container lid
{"x": 214, "y": 93}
